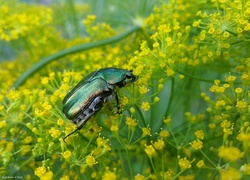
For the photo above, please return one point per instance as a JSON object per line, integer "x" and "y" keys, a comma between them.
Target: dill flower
{"x": 139, "y": 177}
{"x": 184, "y": 163}
{"x": 170, "y": 72}
{"x": 54, "y": 132}
{"x": 200, "y": 164}
{"x": 167, "y": 120}
{"x": 197, "y": 144}
{"x": 150, "y": 151}
{"x": 159, "y": 144}
{"x": 132, "y": 110}
{"x": 2, "y": 124}
{"x": 199, "y": 134}
{"x": 143, "y": 90}
{"x": 60, "y": 122}
{"x": 241, "y": 104}
{"x": 146, "y": 132}
{"x": 90, "y": 161}
{"x": 67, "y": 154}
{"x": 40, "y": 171}
{"x": 131, "y": 122}
{"x": 229, "y": 153}
{"x": 246, "y": 169}
{"x": 28, "y": 139}
{"x": 145, "y": 106}
{"x": 114, "y": 128}
{"x": 230, "y": 79}
{"x": 164, "y": 133}
{"x": 230, "y": 173}
{"x": 65, "y": 177}
{"x": 109, "y": 176}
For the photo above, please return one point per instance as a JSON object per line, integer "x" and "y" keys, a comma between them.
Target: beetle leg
{"x": 117, "y": 103}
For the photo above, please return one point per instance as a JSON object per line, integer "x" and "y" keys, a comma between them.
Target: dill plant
{"x": 186, "y": 117}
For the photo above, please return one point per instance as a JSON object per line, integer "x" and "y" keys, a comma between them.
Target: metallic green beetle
{"x": 90, "y": 94}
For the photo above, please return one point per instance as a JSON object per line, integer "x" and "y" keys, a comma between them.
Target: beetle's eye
{"x": 129, "y": 76}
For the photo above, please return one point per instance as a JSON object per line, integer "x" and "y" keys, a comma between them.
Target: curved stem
{"x": 36, "y": 67}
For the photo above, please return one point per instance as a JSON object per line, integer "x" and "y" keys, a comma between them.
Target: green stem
{"x": 24, "y": 164}
{"x": 138, "y": 110}
{"x": 178, "y": 174}
{"x": 152, "y": 164}
{"x": 129, "y": 164}
{"x": 36, "y": 67}
{"x": 208, "y": 158}
{"x": 202, "y": 79}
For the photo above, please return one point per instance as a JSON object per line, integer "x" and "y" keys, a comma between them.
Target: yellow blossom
{"x": 241, "y": 104}
{"x": 145, "y": 106}
{"x": 230, "y": 79}
{"x": 54, "y": 132}
{"x": 60, "y": 122}
{"x": 199, "y": 134}
{"x": 230, "y": 173}
{"x": 109, "y": 176}
{"x": 114, "y": 128}
{"x": 243, "y": 137}
{"x": 159, "y": 144}
{"x": 139, "y": 177}
{"x": 150, "y": 151}
{"x": 137, "y": 71}
{"x": 40, "y": 171}
{"x": 9, "y": 146}
{"x": 167, "y": 120}
{"x": 101, "y": 141}
{"x": 238, "y": 90}
{"x": 184, "y": 163}
{"x": 143, "y": 90}
{"x": 132, "y": 110}
{"x": 225, "y": 124}
{"x": 246, "y": 169}
{"x": 65, "y": 177}
{"x": 67, "y": 154}
{"x": 229, "y": 153}
{"x": 2, "y": 124}
{"x": 146, "y": 132}
{"x": 45, "y": 80}
{"x": 170, "y": 72}
{"x": 83, "y": 168}
{"x": 164, "y": 133}
{"x": 156, "y": 44}
{"x": 48, "y": 176}
{"x": 94, "y": 175}
{"x": 28, "y": 139}
{"x": 220, "y": 103}
{"x": 200, "y": 164}
{"x": 124, "y": 100}
{"x": 90, "y": 160}
{"x": 197, "y": 144}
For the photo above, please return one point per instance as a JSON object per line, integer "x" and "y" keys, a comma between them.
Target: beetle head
{"x": 129, "y": 78}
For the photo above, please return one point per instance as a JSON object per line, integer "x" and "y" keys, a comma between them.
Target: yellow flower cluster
{"x": 16, "y": 23}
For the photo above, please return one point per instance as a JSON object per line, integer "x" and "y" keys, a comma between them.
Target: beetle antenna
{"x": 77, "y": 129}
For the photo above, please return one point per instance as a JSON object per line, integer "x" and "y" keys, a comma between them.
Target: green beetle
{"x": 90, "y": 94}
